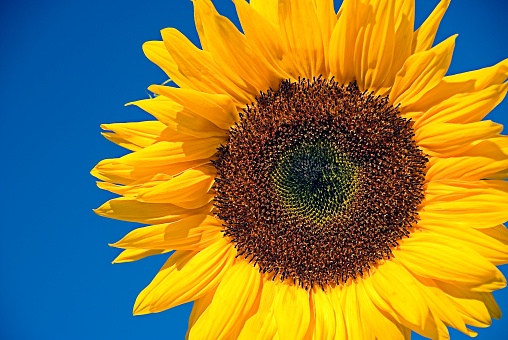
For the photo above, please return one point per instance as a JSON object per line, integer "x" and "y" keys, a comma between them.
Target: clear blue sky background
{"x": 65, "y": 68}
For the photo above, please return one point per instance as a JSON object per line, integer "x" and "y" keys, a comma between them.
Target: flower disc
{"x": 318, "y": 181}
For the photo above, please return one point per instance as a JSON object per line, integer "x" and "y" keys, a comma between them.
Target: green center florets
{"x": 315, "y": 181}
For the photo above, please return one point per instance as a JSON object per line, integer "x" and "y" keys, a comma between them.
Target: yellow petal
{"x": 198, "y": 308}
{"x": 324, "y": 315}
{"x": 231, "y": 303}
{"x": 109, "y": 170}
{"x": 495, "y": 148}
{"x": 133, "y": 188}
{"x": 166, "y": 153}
{"x": 120, "y": 141}
{"x": 301, "y": 35}
{"x": 464, "y": 108}
{"x": 447, "y": 139}
{"x": 265, "y": 38}
{"x": 501, "y": 142}
{"x": 334, "y": 294}
{"x": 481, "y": 204}
{"x": 190, "y": 233}
{"x": 216, "y": 108}
{"x": 344, "y": 40}
{"x": 363, "y": 319}
{"x": 134, "y": 136}
{"x": 269, "y": 9}
{"x": 261, "y": 325}
{"x": 375, "y": 48}
{"x": 466, "y": 168}
{"x": 204, "y": 39}
{"x": 469, "y": 304}
{"x": 404, "y": 14}
{"x": 199, "y": 68}
{"x": 188, "y": 190}
{"x": 178, "y": 117}
{"x": 112, "y": 170}
{"x": 361, "y": 40}
{"x": 442, "y": 306}
{"x": 380, "y": 324}
{"x": 480, "y": 79}
{"x": 327, "y": 19}
{"x": 434, "y": 256}
{"x": 291, "y": 300}
{"x": 486, "y": 246}
{"x": 460, "y": 84}
{"x": 186, "y": 276}
{"x": 145, "y": 302}
{"x": 157, "y": 53}
{"x": 128, "y": 209}
{"x": 422, "y": 72}
{"x": 131, "y": 255}
{"x": 350, "y": 302}
{"x": 393, "y": 290}
{"x": 499, "y": 232}
{"x": 230, "y": 50}
{"x": 424, "y": 36}
{"x": 492, "y": 306}
{"x": 140, "y": 134}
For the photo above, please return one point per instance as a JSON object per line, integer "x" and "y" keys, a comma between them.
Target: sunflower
{"x": 317, "y": 175}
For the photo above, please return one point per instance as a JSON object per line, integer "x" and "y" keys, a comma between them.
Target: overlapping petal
{"x": 229, "y": 304}
{"x": 291, "y": 300}
{"x": 431, "y": 255}
{"x": 196, "y": 232}
{"x": 186, "y": 276}
{"x": 261, "y": 324}
{"x": 129, "y": 209}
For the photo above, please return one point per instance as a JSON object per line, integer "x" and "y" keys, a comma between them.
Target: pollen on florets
{"x": 318, "y": 181}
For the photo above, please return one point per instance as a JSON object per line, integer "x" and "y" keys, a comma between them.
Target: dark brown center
{"x": 318, "y": 182}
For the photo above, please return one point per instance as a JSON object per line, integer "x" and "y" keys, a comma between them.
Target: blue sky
{"x": 68, "y": 66}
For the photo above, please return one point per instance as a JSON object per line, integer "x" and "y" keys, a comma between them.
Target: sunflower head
{"x": 317, "y": 175}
